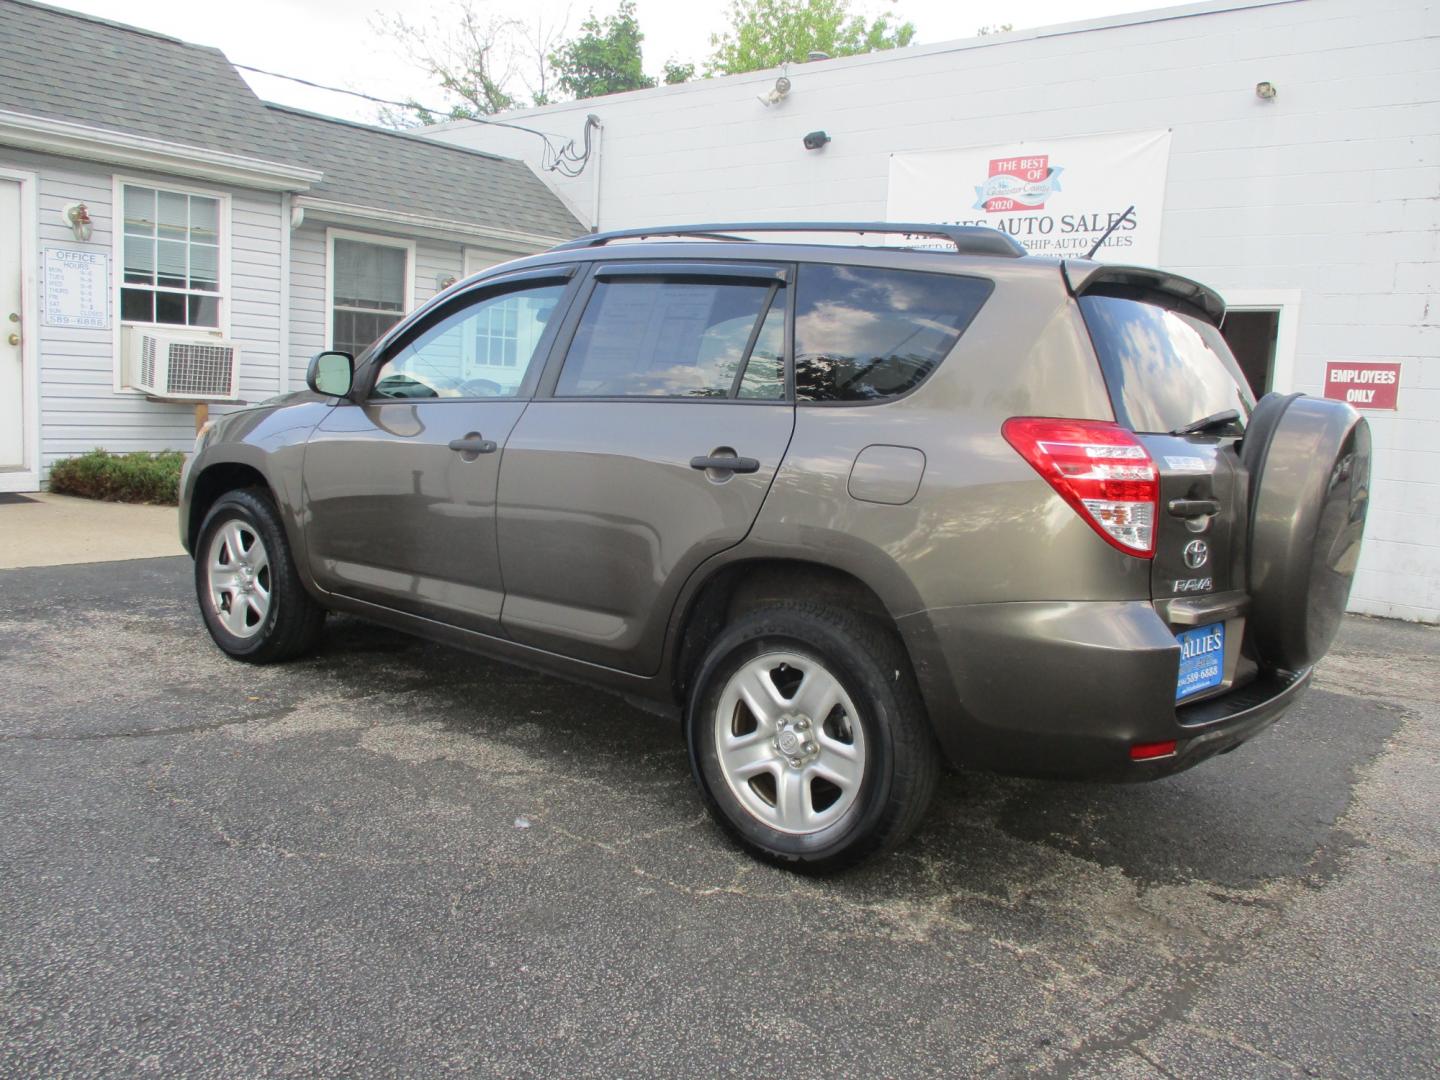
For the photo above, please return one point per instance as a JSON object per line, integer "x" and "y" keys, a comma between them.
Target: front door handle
{"x": 726, "y": 463}
{"x": 473, "y": 445}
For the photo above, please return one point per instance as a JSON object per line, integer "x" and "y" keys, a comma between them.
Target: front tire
{"x": 808, "y": 737}
{"x": 250, "y": 593}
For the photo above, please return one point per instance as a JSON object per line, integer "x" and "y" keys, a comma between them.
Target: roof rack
{"x": 968, "y": 239}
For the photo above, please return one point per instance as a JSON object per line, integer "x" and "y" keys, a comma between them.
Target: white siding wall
{"x": 79, "y": 407}
{"x": 1331, "y": 189}
{"x": 307, "y": 299}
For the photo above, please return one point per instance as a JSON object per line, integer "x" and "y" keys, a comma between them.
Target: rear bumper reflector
{"x": 1149, "y": 751}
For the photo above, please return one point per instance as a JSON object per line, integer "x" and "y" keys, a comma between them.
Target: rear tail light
{"x": 1100, "y": 469}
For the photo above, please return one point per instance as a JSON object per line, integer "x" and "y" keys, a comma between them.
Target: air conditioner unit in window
{"x": 181, "y": 366}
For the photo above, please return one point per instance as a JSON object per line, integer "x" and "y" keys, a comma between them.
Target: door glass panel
{"x": 765, "y": 372}
{"x": 483, "y": 350}
{"x": 662, "y": 339}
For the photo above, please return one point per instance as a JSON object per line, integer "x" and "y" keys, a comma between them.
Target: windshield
{"x": 1164, "y": 369}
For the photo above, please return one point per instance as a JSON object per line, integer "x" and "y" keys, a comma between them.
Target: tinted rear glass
{"x": 1164, "y": 369}
{"x": 863, "y": 333}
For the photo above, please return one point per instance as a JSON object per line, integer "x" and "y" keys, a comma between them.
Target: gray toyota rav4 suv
{"x": 848, "y": 511}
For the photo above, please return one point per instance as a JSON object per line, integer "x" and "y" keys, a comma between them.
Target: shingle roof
{"x": 372, "y": 166}
{"x": 66, "y": 66}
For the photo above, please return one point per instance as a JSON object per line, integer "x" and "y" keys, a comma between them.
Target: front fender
{"x": 268, "y": 443}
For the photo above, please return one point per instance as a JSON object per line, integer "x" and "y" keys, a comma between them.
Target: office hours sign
{"x": 1056, "y": 196}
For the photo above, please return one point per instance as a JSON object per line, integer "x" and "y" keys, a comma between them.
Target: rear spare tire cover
{"x": 1309, "y": 465}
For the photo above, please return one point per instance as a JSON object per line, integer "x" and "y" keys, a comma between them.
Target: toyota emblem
{"x": 1197, "y": 553}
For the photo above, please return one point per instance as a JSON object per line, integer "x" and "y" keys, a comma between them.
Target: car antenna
{"x": 1106, "y": 234}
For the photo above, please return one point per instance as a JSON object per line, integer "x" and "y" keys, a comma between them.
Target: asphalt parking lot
{"x": 398, "y": 860}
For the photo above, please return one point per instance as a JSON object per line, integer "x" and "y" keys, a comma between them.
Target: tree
{"x": 676, "y": 72}
{"x": 768, "y": 33}
{"x": 470, "y": 53}
{"x": 605, "y": 58}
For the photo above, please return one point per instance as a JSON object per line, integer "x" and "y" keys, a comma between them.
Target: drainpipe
{"x": 594, "y": 121}
{"x": 285, "y": 228}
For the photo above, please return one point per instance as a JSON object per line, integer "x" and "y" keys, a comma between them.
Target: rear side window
{"x": 648, "y": 338}
{"x": 1164, "y": 369}
{"x": 865, "y": 334}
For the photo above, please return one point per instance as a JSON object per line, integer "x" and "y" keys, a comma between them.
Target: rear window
{"x": 1164, "y": 369}
{"x": 865, "y": 334}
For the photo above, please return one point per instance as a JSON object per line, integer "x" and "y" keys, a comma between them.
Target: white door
{"x": 12, "y": 379}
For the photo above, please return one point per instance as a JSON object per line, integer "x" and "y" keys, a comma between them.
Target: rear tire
{"x": 808, "y": 737}
{"x": 250, "y": 593}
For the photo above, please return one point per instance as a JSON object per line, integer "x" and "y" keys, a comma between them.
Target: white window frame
{"x": 225, "y": 220}
{"x": 1286, "y": 303}
{"x": 331, "y": 235}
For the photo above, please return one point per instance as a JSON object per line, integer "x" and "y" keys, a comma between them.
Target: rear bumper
{"x": 1065, "y": 689}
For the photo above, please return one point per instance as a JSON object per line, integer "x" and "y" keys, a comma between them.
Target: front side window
{"x": 643, "y": 337}
{"x": 865, "y": 334}
{"x": 368, "y": 290}
{"x": 170, "y": 258}
{"x": 483, "y": 350}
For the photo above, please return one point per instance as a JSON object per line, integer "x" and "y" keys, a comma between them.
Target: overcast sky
{"x": 335, "y": 42}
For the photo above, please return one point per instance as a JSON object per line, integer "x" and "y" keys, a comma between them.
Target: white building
{"x": 1312, "y": 204}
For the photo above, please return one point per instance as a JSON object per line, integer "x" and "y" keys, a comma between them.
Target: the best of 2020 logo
{"x": 1018, "y": 183}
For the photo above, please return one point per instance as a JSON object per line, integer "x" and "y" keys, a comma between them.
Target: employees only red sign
{"x": 1365, "y": 386}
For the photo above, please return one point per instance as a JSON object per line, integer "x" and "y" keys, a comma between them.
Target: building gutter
{"x": 155, "y": 155}
{"x": 410, "y": 224}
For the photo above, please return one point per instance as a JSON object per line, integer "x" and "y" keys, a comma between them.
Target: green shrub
{"x": 139, "y": 478}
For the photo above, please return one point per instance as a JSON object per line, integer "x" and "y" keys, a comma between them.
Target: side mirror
{"x": 331, "y": 373}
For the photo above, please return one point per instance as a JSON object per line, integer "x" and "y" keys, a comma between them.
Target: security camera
{"x": 777, "y": 95}
{"x": 815, "y": 140}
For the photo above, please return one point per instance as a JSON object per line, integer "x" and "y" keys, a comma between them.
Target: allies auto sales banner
{"x": 1056, "y": 196}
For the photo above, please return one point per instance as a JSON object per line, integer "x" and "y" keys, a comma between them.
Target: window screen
{"x": 649, "y": 338}
{"x": 369, "y": 289}
{"x": 864, "y": 333}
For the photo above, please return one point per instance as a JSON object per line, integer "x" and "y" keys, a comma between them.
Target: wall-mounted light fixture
{"x": 443, "y": 281}
{"x": 77, "y": 216}
{"x": 778, "y": 94}
{"x": 816, "y": 140}
{"x": 1265, "y": 90}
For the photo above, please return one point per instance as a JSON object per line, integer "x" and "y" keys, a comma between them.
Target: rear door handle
{"x": 1193, "y": 508}
{"x": 473, "y": 445}
{"x": 726, "y": 464}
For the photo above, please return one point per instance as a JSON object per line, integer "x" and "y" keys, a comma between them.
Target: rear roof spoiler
{"x": 1083, "y": 276}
